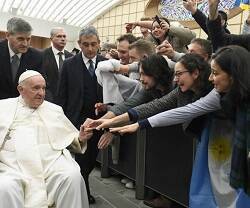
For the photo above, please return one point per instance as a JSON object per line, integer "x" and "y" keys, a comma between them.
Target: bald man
{"x": 36, "y": 169}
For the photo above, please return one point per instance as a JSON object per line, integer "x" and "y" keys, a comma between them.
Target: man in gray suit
{"x": 53, "y": 58}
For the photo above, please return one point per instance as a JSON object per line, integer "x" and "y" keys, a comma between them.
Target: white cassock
{"x": 36, "y": 169}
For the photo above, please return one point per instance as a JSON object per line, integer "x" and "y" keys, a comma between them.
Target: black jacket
{"x": 51, "y": 74}
{"x": 32, "y": 59}
{"x": 78, "y": 91}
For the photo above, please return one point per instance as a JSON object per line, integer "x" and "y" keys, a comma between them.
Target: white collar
{"x": 55, "y": 51}
{"x": 22, "y": 102}
{"x": 86, "y": 60}
{"x": 12, "y": 52}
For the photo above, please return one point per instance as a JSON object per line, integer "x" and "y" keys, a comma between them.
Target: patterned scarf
{"x": 240, "y": 167}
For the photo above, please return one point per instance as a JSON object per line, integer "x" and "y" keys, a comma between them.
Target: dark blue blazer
{"x": 78, "y": 91}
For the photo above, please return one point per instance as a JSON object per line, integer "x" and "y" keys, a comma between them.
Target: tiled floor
{"x": 111, "y": 193}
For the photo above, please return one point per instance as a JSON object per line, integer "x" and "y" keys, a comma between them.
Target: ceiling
{"x": 71, "y": 12}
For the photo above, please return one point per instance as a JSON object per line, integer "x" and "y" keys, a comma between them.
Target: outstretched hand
{"x": 125, "y": 129}
{"x": 100, "y": 108}
{"x": 84, "y": 134}
{"x": 190, "y": 5}
{"x": 105, "y": 140}
{"x": 213, "y": 9}
{"x": 100, "y": 124}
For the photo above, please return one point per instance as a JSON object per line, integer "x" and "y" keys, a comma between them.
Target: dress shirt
{"x": 55, "y": 51}
{"x": 86, "y": 61}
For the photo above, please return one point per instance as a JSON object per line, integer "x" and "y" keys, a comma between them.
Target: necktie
{"x": 91, "y": 68}
{"x": 60, "y": 60}
{"x": 15, "y": 62}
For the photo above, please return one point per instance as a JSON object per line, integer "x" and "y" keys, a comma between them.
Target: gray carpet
{"x": 111, "y": 193}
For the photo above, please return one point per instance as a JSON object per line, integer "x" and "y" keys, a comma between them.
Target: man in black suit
{"x": 79, "y": 91}
{"x": 53, "y": 58}
{"x": 16, "y": 56}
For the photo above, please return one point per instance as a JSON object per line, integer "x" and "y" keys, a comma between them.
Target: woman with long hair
{"x": 220, "y": 175}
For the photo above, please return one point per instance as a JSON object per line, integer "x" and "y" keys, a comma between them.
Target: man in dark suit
{"x": 16, "y": 56}
{"x": 53, "y": 58}
{"x": 79, "y": 91}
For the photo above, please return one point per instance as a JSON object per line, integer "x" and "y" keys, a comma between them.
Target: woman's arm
{"x": 146, "y": 110}
{"x": 183, "y": 114}
{"x": 204, "y": 105}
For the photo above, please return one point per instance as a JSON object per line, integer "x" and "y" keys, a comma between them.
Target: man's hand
{"x": 123, "y": 69}
{"x": 114, "y": 53}
{"x": 190, "y": 5}
{"x": 85, "y": 132}
{"x": 125, "y": 129}
{"x": 105, "y": 140}
{"x": 84, "y": 135}
{"x": 213, "y": 9}
{"x": 165, "y": 49}
{"x": 100, "y": 108}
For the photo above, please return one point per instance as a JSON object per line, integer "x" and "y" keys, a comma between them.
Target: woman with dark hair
{"x": 178, "y": 37}
{"x": 156, "y": 78}
{"x": 154, "y": 67}
{"x": 191, "y": 76}
{"x": 161, "y": 30}
{"x": 220, "y": 175}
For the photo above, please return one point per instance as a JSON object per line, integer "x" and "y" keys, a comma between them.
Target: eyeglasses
{"x": 178, "y": 74}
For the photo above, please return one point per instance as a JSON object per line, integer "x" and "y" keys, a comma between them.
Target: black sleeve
{"x": 220, "y": 38}
{"x": 201, "y": 20}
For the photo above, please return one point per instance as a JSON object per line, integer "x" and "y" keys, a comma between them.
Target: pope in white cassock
{"x": 36, "y": 169}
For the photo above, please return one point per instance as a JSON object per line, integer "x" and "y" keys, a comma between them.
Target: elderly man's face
{"x": 19, "y": 42}
{"x": 59, "y": 39}
{"x": 33, "y": 91}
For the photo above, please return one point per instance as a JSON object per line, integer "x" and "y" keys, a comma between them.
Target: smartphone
{"x": 158, "y": 20}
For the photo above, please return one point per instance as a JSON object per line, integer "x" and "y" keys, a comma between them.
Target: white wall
{"x": 42, "y": 28}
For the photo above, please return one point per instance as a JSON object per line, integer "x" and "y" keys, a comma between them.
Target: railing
{"x": 160, "y": 159}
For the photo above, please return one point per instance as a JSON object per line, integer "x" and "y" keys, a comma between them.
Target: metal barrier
{"x": 160, "y": 159}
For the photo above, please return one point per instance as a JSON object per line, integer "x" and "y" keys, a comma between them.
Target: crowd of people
{"x": 58, "y": 108}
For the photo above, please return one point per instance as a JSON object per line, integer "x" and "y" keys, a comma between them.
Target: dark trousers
{"x": 87, "y": 160}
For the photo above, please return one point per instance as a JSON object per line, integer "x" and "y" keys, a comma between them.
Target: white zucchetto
{"x": 27, "y": 74}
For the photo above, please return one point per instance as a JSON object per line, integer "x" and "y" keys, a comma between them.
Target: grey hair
{"x": 55, "y": 30}
{"x": 89, "y": 30}
{"x": 18, "y": 25}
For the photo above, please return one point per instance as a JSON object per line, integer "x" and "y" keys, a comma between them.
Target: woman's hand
{"x": 125, "y": 129}
{"x": 165, "y": 26}
{"x": 100, "y": 123}
{"x": 190, "y": 5}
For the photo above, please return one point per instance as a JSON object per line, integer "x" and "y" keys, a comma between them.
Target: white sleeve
{"x": 245, "y": 28}
{"x": 207, "y": 104}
